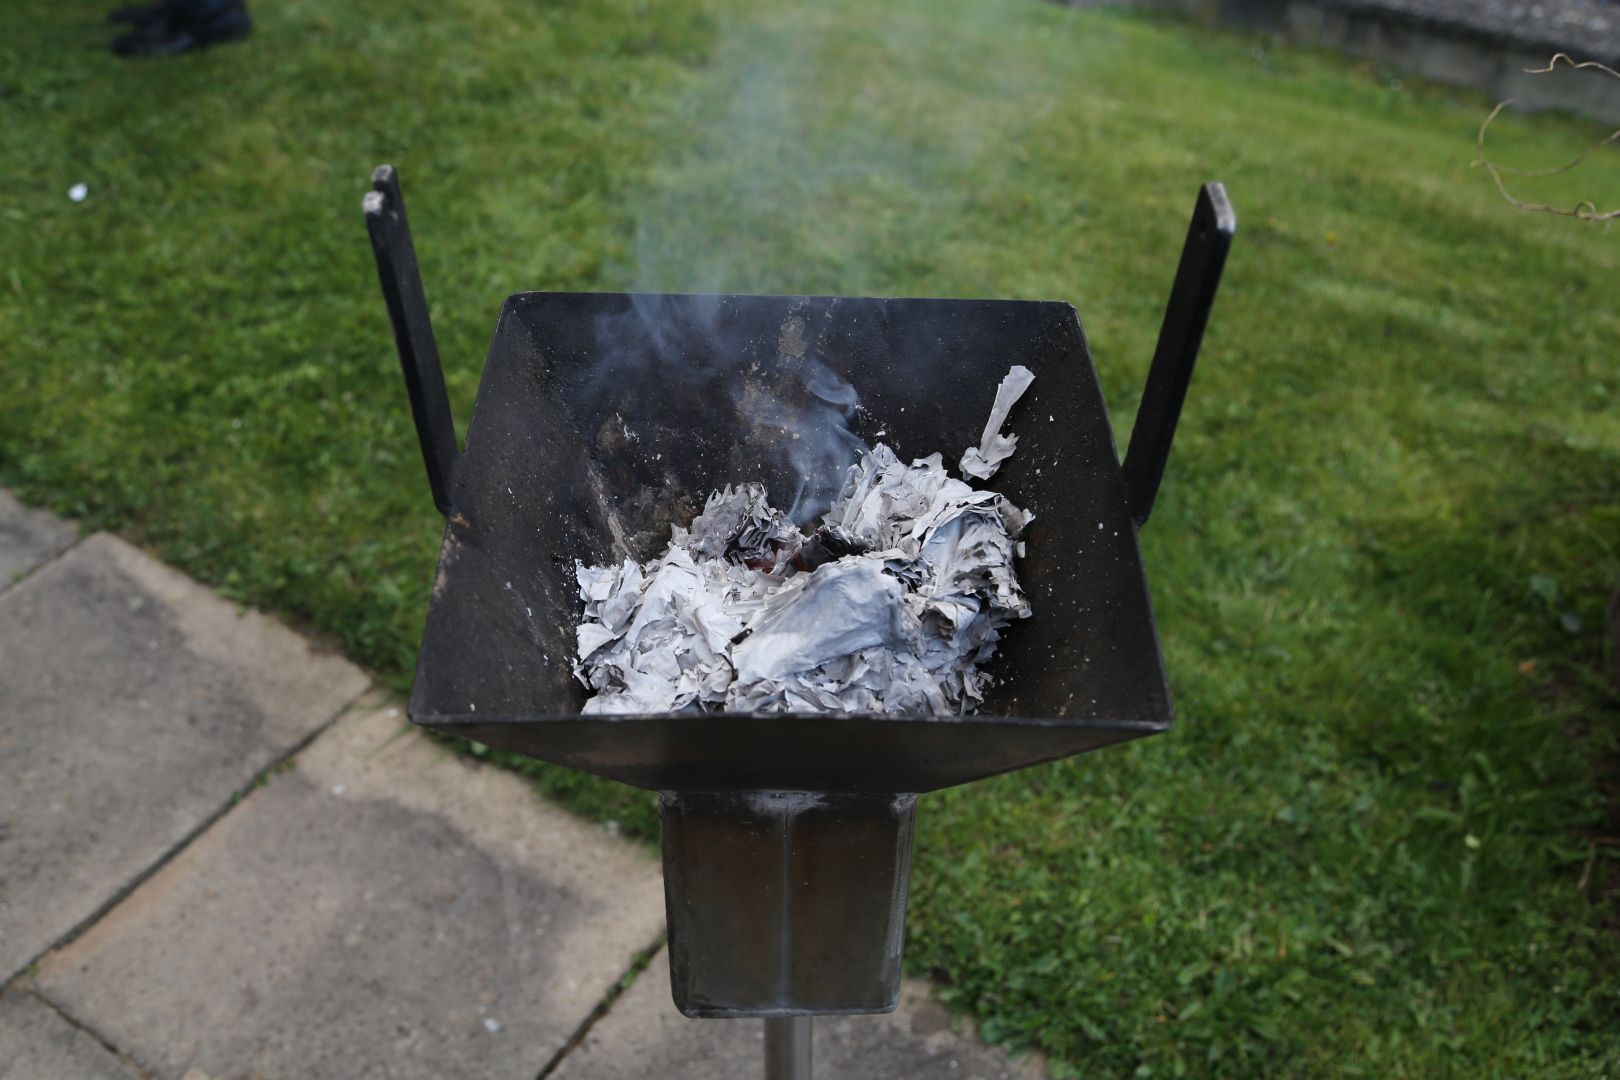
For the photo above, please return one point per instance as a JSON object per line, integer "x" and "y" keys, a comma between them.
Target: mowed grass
{"x": 1376, "y": 843}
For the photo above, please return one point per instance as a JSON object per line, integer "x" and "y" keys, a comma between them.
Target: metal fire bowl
{"x": 603, "y": 419}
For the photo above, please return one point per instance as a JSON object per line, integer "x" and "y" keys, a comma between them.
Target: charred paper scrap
{"x": 888, "y": 607}
{"x": 982, "y": 461}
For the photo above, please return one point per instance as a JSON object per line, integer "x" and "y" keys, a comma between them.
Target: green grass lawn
{"x": 1380, "y": 558}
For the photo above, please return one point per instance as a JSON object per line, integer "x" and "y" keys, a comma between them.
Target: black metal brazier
{"x": 603, "y": 419}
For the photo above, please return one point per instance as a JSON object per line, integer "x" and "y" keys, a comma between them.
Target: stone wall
{"x": 1481, "y": 44}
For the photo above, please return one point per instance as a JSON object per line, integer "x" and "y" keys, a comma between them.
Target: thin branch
{"x": 1585, "y": 210}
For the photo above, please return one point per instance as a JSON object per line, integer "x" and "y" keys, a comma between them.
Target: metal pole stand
{"x": 787, "y": 1047}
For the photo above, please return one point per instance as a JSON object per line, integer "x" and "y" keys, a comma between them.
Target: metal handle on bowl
{"x": 413, "y": 330}
{"x": 1197, "y": 277}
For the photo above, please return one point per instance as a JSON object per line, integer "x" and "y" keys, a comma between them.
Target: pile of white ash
{"x": 889, "y": 606}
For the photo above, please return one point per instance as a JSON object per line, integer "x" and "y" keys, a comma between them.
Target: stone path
{"x": 222, "y": 857}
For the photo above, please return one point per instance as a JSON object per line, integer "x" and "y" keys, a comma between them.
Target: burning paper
{"x": 888, "y": 607}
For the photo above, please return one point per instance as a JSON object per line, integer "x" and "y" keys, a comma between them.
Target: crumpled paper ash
{"x": 889, "y": 606}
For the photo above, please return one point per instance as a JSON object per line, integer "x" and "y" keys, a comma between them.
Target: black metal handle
{"x": 1197, "y": 277}
{"x": 413, "y": 330}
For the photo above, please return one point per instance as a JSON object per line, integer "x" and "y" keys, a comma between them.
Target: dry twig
{"x": 1586, "y": 210}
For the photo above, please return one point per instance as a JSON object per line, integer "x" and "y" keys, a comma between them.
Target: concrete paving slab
{"x": 382, "y": 909}
{"x": 643, "y": 1035}
{"x": 29, "y": 538}
{"x": 133, "y": 704}
{"x": 37, "y": 1044}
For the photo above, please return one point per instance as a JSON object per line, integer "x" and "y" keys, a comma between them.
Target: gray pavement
{"x": 643, "y": 1035}
{"x": 220, "y": 857}
{"x": 29, "y": 538}
{"x": 38, "y": 1043}
{"x": 133, "y": 704}
{"x": 383, "y": 908}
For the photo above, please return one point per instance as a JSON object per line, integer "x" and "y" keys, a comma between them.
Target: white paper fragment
{"x": 889, "y": 606}
{"x": 982, "y": 461}
{"x": 79, "y": 192}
